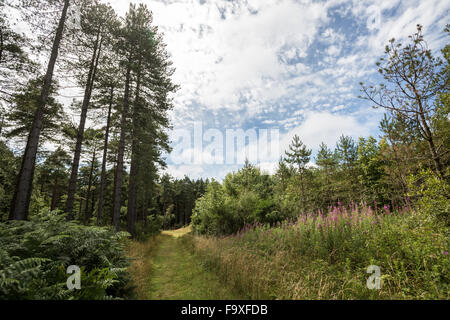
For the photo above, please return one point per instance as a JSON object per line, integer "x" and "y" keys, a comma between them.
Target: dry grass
{"x": 326, "y": 256}
{"x": 412, "y": 259}
{"x": 141, "y": 254}
{"x": 242, "y": 270}
{"x": 178, "y": 233}
{"x": 260, "y": 277}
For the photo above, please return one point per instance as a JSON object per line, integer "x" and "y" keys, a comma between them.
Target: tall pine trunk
{"x": 132, "y": 194}
{"x": 80, "y": 133}
{"x": 114, "y": 188}
{"x": 22, "y": 193}
{"x": 105, "y": 153}
{"x": 428, "y": 135}
{"x": 1, "y": 45}
{"x": 432, "y": 147}
{"x": 121, "y": 150}
{"x": 88, "y": 192}
{"x": 55, "y": 195}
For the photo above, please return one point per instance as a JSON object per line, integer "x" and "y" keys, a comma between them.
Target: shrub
{"x": 152, "y": 227}
{"x": 225, "y": 209}
{"x": 432, "y": 194}
{"x": 34, "y": 256}
{"x": 213, "y": 214}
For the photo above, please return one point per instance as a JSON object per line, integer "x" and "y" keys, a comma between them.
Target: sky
{"x": 292, "y": 66}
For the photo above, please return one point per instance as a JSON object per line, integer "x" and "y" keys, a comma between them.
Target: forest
{"x": 93, "y": 192}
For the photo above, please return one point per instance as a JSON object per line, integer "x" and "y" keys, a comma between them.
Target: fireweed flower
{"x": 445, "y": 253}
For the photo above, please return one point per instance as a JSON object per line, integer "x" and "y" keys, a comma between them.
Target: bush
{"x": 212, "y": 213}
{"x": 432, "y": 194}
{"x": 35, "y": 254}
{"x": 244, "y": 198}
{"x": 152, "y": 227}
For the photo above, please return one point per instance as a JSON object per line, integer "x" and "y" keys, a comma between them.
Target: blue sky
{"x": 291, "y": 65}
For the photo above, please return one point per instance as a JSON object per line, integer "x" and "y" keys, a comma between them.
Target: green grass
{"x": 171, "y": 272}
{"x": 312, "y": 258}
{"x": 327, "y": 258}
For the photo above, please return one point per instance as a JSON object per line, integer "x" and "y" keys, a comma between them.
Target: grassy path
{"x": 174, "y": 274}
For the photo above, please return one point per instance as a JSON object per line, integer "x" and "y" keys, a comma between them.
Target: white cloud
{"x": 221, "y": 60}
{"x": 326, "y": 127}
{"x": 285, "y": 63}
{"x": 192, "y": 171}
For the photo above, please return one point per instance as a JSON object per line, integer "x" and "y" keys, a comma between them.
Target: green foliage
{"x": 432, "y": 194}
{"x": 24, "y": 105}
{"x": 212, "y": 213}
{"x": 413, "y": 81}
{"x": 35, "y": 254}
{"x": 326, "y": 256}
{"x": 371, "y": 169}
{"x": 175, "y": 199}
{"x": 244, "y": 198}
{"x": 151, "y": 227}
{"x": 298, "y": 154}
{"x": 8, "y": 167}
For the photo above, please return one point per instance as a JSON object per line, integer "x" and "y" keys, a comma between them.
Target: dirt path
{"x": 177, "y": 275}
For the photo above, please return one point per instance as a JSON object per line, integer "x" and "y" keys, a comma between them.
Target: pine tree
{"x": 147, "y": 61}
{"x": 299, "y": 156}
{"x": 347, "y": 179}
{"x": 15, "y": 63}
{"x": 97, "y": 21}
{"x": 327, "y": 162}
{"x": 413, "y": 80}
{"x": 22, "y": 194}
{"x": 19, "y": 119}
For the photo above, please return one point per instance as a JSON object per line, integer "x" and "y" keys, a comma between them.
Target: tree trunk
{"x": 1, "y": 45}
{"x": 146, "y": 205}
{"x": 22, "y": 193}
{"x": 80, "y": 208}
{"x": 132, "y": 194}
{"x": 429, "y": 137}
{"x": 2, "y": 123}
{"x": 80, "y": 133}
{"x": 121, "y": 151}
{"x": 55, "y": 195}
{"x": 436, "y": 158}
{"x": 303, "y": 193}
{"x": 105, "y": 153}
{"x": 88, "y": 192}
{"x": 114, "y": 188}
{"x": 93, "y": 201}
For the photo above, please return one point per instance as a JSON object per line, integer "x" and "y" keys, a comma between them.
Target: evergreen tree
{"x": 327, "y": 162}
{"x": 299, "y": 156}
{"x": 413, "y": 80}
{"x": 22, "y": 194}
{"x": 97, "y": 20}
